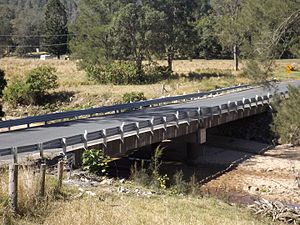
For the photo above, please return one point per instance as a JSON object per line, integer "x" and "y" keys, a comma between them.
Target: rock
{"x": 122, "y": 181}
{"x": 122, "y": 190}
{"x": 90, "y": 193}
{"x": 107, "y": 181}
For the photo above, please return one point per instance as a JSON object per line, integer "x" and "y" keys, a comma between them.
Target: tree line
{"x": 102, "y": 31}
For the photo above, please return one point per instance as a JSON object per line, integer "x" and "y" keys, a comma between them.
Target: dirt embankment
{"x": 273, "y": 175}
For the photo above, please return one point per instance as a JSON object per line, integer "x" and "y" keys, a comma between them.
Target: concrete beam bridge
{"x": 121, "y": 129}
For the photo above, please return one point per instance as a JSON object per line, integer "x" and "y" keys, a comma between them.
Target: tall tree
{"x": 179, "y": 35}
{"x": 27, "y": 29}
{"x": 231, "y": 33}
{"x": 6, "y": 29}
{"x": 93, "y": 43}
{"x": 56, "y": 30}
{"x": 137, "y": 32}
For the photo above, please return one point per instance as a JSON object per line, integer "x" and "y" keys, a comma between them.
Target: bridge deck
{"x": 44, "y": 133}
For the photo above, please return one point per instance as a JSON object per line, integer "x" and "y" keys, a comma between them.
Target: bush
{"x": 41, "y": 80}
{"x": 114, "y": 73}
{"x": 3, "y": 82}
{"x": 124, "y": 73}
{"x": 287, "y": 117}
{"x": 16, "y": 92}
{"x": 31, "y": 91}
{"x": 96, "y": 162}
{"x": 133, "y": 97}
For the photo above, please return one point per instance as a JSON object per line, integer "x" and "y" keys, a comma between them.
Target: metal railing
{"x": 105, "y": 135}
{"x": 61, "y": 116}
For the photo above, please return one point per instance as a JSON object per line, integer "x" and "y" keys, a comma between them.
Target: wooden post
{"x": 13, "y": 186}
{"x": 60, "y": 169}
{"x": 43, "y": 179}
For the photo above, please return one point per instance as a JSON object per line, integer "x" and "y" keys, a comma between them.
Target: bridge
{"x": 120, "y": 129}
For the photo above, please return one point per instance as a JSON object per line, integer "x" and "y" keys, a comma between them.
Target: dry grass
{"x": 128, "y": 210}
{"x": 110, "y": 207}
{"x": 89, "y": 94}
{"x": 30, "y": 206}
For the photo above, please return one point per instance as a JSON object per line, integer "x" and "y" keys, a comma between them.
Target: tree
{"x": 3, "y": 83}
{"x": 272, "y": 31}
{"x": 93, "y": 43}
{"x": 56, "y": 30}
{"x": 137, "y": 32}
{"x": 179, "y": 36}
{"x": 287, "y": 117}
{"x": 6, "y": 29}
{"x": 231, "y": 33}
{"x": 27, "y": 29}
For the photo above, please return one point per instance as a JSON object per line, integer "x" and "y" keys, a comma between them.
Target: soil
{"x": 274, "y": 175}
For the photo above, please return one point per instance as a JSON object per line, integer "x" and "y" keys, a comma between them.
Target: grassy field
{"x": 78, "y": 92}
{"x": 107, "y": 206}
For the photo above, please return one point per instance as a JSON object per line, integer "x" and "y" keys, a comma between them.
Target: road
{"x": 37, "y": 135}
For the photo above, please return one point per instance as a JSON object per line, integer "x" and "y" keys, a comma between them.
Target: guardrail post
{"x": 122, "y": 132}
{"x": 188, "y": 118}
{"x": 14, "y": 152}
{"x": 177, "y": 119}
{"x": 13, "y": 186}
{"x": 41, "y": 150}
{"x": 64, "y": 145}
{"x": 228, "y": 104}
{"x": 43, "y": 179}
{"x": 269, "y": 96}
{"x": 152, "y": 125}
{"x": 85, "y": 140}
{"x": 165, "y": 123}
{"x": 256, "y": 100}
{"x": 137, "y": 126}
{"x": 104, "y": 138}
{"x": 236, "y": 106}
{"x": 244, "y": 99}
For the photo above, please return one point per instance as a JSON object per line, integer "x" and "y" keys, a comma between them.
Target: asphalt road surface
{"x": 41, "y": 134}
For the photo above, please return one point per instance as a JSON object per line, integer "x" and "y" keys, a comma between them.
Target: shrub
{"x": 179, "y": 185}
{"x": 96, "y": 162}
{"x": 3, "y": 82}
{"x": 31, "y": 91}
{"x": 40, "y": 81}
{"x": 124, "y": 73}
{"x": 150, "y": 176}
{"x": 16, "y": 92}
{"x": 114, "y": 73}
{"x": 287, "y": 117}
{"x": 133, "y": 97}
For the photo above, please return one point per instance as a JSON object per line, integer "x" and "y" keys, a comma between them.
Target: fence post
{"x": 43, "y": 179}
{"x": 60, "y": 170}
{"x": 13, "y": 186}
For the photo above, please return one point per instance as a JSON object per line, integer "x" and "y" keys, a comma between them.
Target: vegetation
{"x": 108, "y": 207}
{"x": 3, "y": 83}
{"x": 287, "y": 117}
{"x": 95, "y": 161}
{"x": 56, "y": 30}
{"x": 33, "y": 89}
{"x": 122, "y": 34}
{"x": 133, "y": 97}
{"x": 30, "y": 206}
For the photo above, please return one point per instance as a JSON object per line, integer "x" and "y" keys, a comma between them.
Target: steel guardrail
{"x": 151, "y": 124}
{"x": 109, "y": 109}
